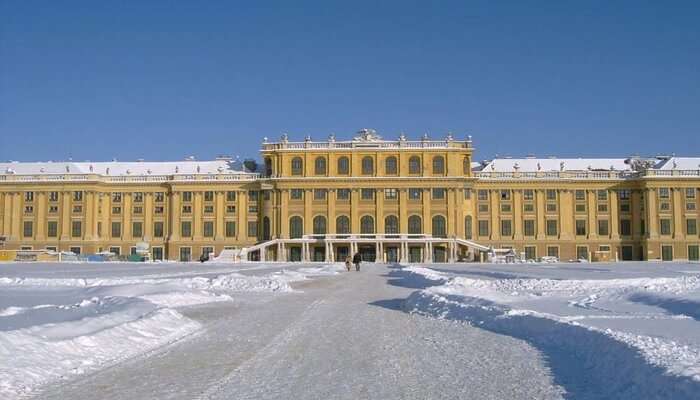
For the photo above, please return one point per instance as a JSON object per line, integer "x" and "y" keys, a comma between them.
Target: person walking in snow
{"x": 357, "y": 259}
{"x": 348, "y": 263}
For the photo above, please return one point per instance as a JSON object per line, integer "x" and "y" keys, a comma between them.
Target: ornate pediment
{"x": 367, "y": 135}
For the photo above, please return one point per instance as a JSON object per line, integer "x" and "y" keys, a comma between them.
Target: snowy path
{"x": 344, "y": 337}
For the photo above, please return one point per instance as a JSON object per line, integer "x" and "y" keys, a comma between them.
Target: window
{"x": 158, "y": 230}
{"x": 665, "y": 226}
{"x": 116, "y": 210}
{"x": 625, "y": 227}
{"x": 580, "y": 227}
{"x": 253, "y": 195}
{"x": 187, "y": 196}
{"x": 438, "y": 165}
{"x": 137, "y": 210}
{"x": 665, "y": 206}
{"x": 159, "y": 197}
{"x": 603, "y": 227}
{"x": 625, "y": 207}
{"x": 137, "y": 229}
{"x": 667, "y": 253}
{"x": 391, "y": 224}
{"x": 505, "y": 194}
{"x": 693, "y": 252}
{"x": 414, "y": 166}
{"x": 528, "y": 194}
{"x": 482, "y": 195}
{"x": 580, "y": 208}
{"x": 367, "y": 194}
{"x": 77, "y": 195}
{"x": 551, "y": 194}
{"x": 391, "y": 194}
{"x": 320, "y": 194}
{"x": 604, "y": 247}
{"x": 28, "y": 229}
{"x": 690, "y": 206}
{"x": 506, "y": 227}
{"x": 116, "y": 197}
{"x": 343, "y": 166}
{"x": 320, "y": 166}
{"x": 296, "y": 194}
{"x": 53, "y": 209}
{"x": 664, "y": 193}
{"x": 296, "y": 227}
{"x": 438, "y": 193}
{"x": 624, "y": 194}
{"x": 343, "y": 194}
{"x": 391, "y": 166}
{"x": 690, "y": 193}
{"x": 415, "y": 225}
{"x": 187, "y": 209}
{"x": 467, "y": 194}
{"x": 602, "y": 207}
{"x": 530, "y": 252}
{"x": 252, "y": 209}
{"x": 319, "y": 223}
{"x": 580, "y": 195}
{"x": 28, "y": 196}
{"x": 551, "y": 207}
{"x": 367, "y": 224}
{"x": 116, "y": 229}
{"x": 529, "y": 207}
{"x": 230, "y": 209}
{"x": 483, "y": 208}
{"x": 602, "y": 195}
{"x": 53, "y": 196}
{"x": 414, "y": 194}
{"x": 505, "y": 207}
{"x": 208, "y": 195}
{"x": 342, "y": 224}
{"x": 582, "y": 252}
{"x": 439, "y": 226}
{"x": 691, "y": 226}
{"x": 468, "y": 227}
{"x": 209, "y": 209}
{"x": 52, "y": 229}
{"x": 552, "y": 227}
{"x": 186, "y": 229}
{"x": 483, "y": 227}
{"x": 367, "y": 165}
{"x": 185, "y": 254}
{"x": 208, "y": 228}
{"x": 252, "y": 228}
{"x": 230, "y": 228}
{"x": 529, "y": 227}
{"x": 466, "y": 166}
{"x": 28, "y": 209}
{"x": 297, "y": 166}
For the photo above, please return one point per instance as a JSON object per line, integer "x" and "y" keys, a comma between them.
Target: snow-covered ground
{"x": 623, "y": 330}
{"x": 58, "y": 320}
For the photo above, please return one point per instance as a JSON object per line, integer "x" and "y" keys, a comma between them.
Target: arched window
{"x": 468, "y": 227}
{"x": 342, "y": 225}
{"x": 391, "y": 166}
{"x": 391, "y": 224}
{"x": 367, "y": 224}
{"x": 343, "y": 166}
{"x": 320, "y": 166}
{"x": 319, "y": 225}
{"x": 297, "y": 166}
{"x": 296, "y": 227}
{"x": 266, "y": 228}
{"x": 414, "y": 165}
{"x": 439, "y": 229}
{"x": 415, "y": 226}
{"x": 438, "y": 165}
{"x": 367, "y": 166}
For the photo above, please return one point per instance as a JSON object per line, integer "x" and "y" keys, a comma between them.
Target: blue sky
{"x": 157, "y": 80}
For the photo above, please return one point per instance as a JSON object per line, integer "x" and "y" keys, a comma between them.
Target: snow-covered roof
{"x": 680, "y": 163}
{"x": 556, "y": 164}
{"x": 119, "y": 168}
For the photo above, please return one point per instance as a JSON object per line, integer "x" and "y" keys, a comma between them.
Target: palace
{"x": 393, "y": 200}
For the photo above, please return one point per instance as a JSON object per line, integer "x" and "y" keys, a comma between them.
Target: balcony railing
{"x": 128, "y": 178}
{"x": 382, "y": 144}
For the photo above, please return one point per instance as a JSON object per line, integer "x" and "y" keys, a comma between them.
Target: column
{"x": 652, "y": 216}
{"x": 96, "y": 215}
{"x": 451, "y": 208}
{"x": 354, "y": 213}
{"x": 197, "y": 209}
{"x": 175, "y": 211}
{"x": 678, "y": 210}
{"x": 90, "y": 215}
{"x": 7, "y": 215}
{"x": 540, "y": 210}
{"x": 148, "y": 216}
{"x": 17, "y": 216}
{"x": 518, "y": 214}
{"x": 126, "y": 213}
{"x": 284, "y": 214}
{"x": 379, "y": 212}
{"x": 403, "y": 211}
{"x": 592, "y": 221}
{"x": 494, "y": 208}
{"x": 331, "y": 211}
{"x": 566, "y": 214}
{"x": 427, "y": 216}
{"x": 65, "y": 215}
{"x": 220, "y": 210}
{"x": 614, "y": 215}
{"x": 636, "y": 214}
{"x": 242, "y": 197}
{"x": 40, "y": 216}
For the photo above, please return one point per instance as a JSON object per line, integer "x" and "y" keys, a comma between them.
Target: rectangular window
{"x": 580, "y": 195}
{"x": 414, "y": 194}
{"x": 209, "y": 209}
{"x": 529, "y": 227}
{"x": 624, "y": 194}
{"x": 467, "y": 194}
{"x": 186, "y": 229}
{"x": 665, "y": 206}
{"x": 602, "y": 195}
{"x": 116, "y": 229}
{"x": 185, "y": 254}
{"x": 158, "y": 209}
{"x": 367, "y": 194}
{"x": 253, "y": 195}
{"x": 690, "y": 193}
{"x": 391, "y": 194}
{"x": 230, "y": 209}
{"x": 266, "y": 195}
{"x": 580, "y": 227}
{"x": 77, "y": 209}
{"x": 551, "y": 207}
{"x": 52, "y": 229}
{"x": 78, "y": 195}
{"x": 667, "y": 253}
{"x": 665, "y": 226}
{"x": 230, "y": 196}
{"x": 552, "y": 227}
{"x": 116, "y": 197}
{"x": 690, "y": 206}
{"x": 115, "y": 250}
{"x": 253, "y": 209}
{"x": 580, "y": 208}
{"x": 528, "y": 194}
{"x": 581, "y": 253}
{"x": 28, "y": 209}
{"x": 602, "y": 207}
{"x": 209, "y": 195}
{"x": 252, "y": 228}
{"x": 187, "y": 209}
{"x": 483, "y": 227}
{"x": 506, "y": 227}
{"x": 53, "y": 209}
{"x": 158, "y": 230}
{"x": 553, "y": 251}
{"x": 208, "y": 229}
{"x": 28, "y": 196}
{"x": 483, "y": 195}
{"x": 551, "y": 194}
{"x": 530, "y": 253}
{"x": 438, "y": 193}
{"x": 625, "y": 227}
{"x": 136, "y": 229}
{"x": 625, "y": 207}
{"x": 320, "y": 194}
{"x": 157, "y": 253}
{"x": 505, "y": 207}
{"x": 296, "y": 194}
{"x": 603, "y": 227}
{"x": 483, "y": 208}
{"x": 230, "y": 228}
{"x": 116, "y": 210}
{"x": 505, "y": 194}
{"x": 342, "y": 194}
{"x": 53, "y": 196}
{"x": 664, "y": 193}
{"x": 138, "y": 210}
{"x": 76, "y": 230}
{"x": 159, "y": 197}
{"x": 691, "y": 226}
{"x": 187, "y": 197}
{"x": 693, "y": 252}
{"x": 529, "y": 207}
{"x": 28, "y": 230}
{"x": 138, "y": 197}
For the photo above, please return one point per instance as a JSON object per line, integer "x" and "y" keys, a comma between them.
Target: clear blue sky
{"x": 162, "y": 80}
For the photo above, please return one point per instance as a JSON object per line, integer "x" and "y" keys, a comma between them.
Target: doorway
{"x": 368, "y": 253}
{"x": 341, "y": 253}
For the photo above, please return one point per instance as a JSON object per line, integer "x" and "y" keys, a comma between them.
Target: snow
{"x": 639, "y": 318}
{"x": 681, "y": 163}
{"x": 122, "y": 168}
{"x": 555, "y": 164}
{"x": 58, "y": 320}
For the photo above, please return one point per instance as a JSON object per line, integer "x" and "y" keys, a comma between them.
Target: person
{"x": 204, "y": 257}
{"x": 357, "y": 259}
{"x": 348, "y": 263}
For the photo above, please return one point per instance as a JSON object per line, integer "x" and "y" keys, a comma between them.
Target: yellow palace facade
{"x": 390, "y": 200}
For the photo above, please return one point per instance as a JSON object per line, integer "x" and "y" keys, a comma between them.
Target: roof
{"x": 118, "y": 168}
{"x": 556, "y": 164}
{"x": 681, "y": 163}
